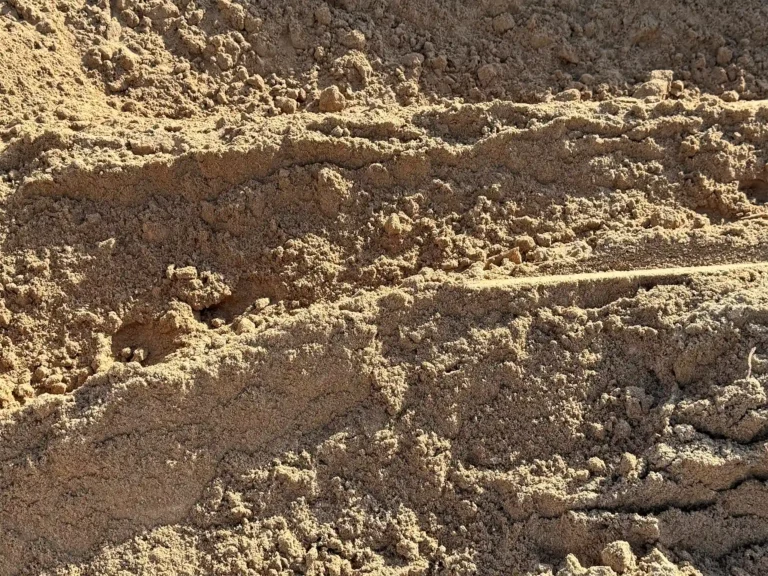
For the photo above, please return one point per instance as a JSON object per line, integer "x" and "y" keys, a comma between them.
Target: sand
{"x": 383, "y": 287}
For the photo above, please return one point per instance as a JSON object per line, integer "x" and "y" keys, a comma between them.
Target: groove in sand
{"x": 632, "y": 275}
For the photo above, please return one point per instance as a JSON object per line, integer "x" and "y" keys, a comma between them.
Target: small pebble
{"x": 503, "y": 22}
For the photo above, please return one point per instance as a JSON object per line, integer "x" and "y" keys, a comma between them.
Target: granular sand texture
{"x": 383, "y": 287}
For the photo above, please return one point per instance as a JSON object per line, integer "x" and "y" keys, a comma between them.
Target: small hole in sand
{"x": 143, "y": 343}
{"x": 242, "y": 299}
{"x": 755, "y": 190}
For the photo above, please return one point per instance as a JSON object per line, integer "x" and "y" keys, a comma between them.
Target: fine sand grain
{"x": 398, "y": 287}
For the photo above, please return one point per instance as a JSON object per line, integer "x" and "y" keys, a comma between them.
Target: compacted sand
{"x": 388, "y": 287}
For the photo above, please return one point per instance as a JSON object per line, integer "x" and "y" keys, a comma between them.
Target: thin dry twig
{"x": 749, "y": 362}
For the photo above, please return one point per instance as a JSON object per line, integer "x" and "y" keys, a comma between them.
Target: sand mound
{"x": 375, "y": 287}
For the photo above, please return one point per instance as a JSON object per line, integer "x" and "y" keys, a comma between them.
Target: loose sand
{"x": 383, "y": 287}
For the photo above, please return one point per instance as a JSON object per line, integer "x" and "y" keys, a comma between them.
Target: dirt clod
{"x": 331, "y": 100}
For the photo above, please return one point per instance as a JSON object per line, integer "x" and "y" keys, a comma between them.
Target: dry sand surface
{"x": 397, "y": 287}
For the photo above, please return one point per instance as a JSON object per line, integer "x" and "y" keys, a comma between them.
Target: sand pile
{"x": 383, "y": 287}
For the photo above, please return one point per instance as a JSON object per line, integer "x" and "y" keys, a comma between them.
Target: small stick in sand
{"x": 749, "y": 362}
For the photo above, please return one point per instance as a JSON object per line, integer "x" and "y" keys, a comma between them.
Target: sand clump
{"x": 330, "y": 288}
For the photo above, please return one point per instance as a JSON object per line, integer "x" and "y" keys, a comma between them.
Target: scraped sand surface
{"x": 383, "y": 287}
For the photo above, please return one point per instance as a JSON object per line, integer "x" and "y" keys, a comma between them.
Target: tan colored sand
{"x": 383, "y": 287}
